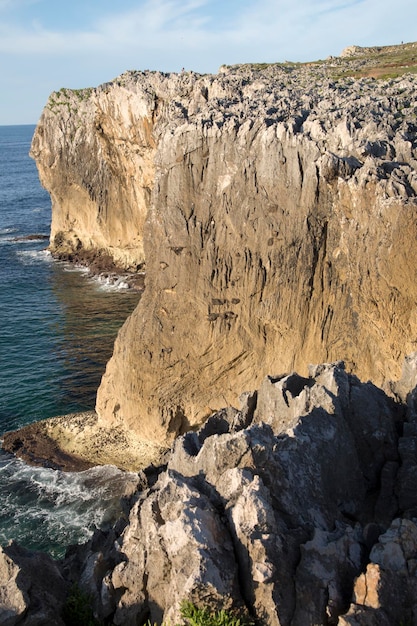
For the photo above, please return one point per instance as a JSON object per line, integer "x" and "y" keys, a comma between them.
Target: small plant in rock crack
{"x": 194, "y": 616}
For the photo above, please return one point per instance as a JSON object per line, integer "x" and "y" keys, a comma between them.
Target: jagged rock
{"x": 274, "y": 209}
{"x": 13, "y": 600}
{"x": 405, "y": 388}
{"x": 32, "y": 588}
{"x": 288, "y": 510}
{"x": 324, "y": 575}
{"x": 185, "y": 552}
{"x": 275, "y": 510}
{"x": 386, "y": 592}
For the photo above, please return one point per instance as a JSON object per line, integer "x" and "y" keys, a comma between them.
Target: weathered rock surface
{"x": 78, "y": 441}
{"x": 276, "y": 212}
{"x": 32, "y": 588}
{"x": 290, "y": 510}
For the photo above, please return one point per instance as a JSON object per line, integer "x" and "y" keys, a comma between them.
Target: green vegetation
{"x": 65, "y": 97}
{"x": 194, "y": 616}
{"x": 384, "y": 63}
{"x": 77, "y": 609}
{"x": 82, "y": 94}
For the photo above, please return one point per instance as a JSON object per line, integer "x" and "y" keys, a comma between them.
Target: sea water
{"x": 57, "y": 329}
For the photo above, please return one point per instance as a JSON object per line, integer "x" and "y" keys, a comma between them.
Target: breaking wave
{"x": 45, "y": 509}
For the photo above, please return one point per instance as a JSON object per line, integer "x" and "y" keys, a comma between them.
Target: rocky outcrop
{"x": 95, "y": 157}
{"x": 386, "y": 592}
{"x": 78, "y": 441}
{"x": 275, "y": 208}
{"x": 290, "y": 511}
{"x": 32, "y": 588}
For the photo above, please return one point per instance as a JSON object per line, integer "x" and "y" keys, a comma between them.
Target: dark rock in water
{"x": 32, "y": 238}
{"x": 294, "y": 510}
{"x": 35, "y": 446}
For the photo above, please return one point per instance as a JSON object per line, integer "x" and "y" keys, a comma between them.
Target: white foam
{"x": 8, "y": 230}
{"x": 111, "y": 283}
{"x": 46, "y": 507}
{"x": 6, "y": 235}
{"x": 29, "y": 257}
{"x": 29, "y": 240}
{"x": 78, "y": 269}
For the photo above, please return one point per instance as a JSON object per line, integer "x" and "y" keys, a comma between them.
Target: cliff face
{"x": 95, "y": 153}
{"x": 276, "y": 211}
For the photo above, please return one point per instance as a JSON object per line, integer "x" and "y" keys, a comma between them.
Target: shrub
{"x": 194, "y": 616}
{"x": 77, "y": 609}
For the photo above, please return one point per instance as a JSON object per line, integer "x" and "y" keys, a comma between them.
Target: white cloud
{"x": 170, "y": 34}
{"x": 155, "y": 19}
{"x": 164, "y": 18}
{"x": 270, "y": 29}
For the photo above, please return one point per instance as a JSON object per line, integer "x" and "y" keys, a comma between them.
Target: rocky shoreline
{"x": 77, "y": 442}
{"x": 299, "y": 508}
{"x": 102, "y": 266}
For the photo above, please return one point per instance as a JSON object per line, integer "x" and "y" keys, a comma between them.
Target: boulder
{"x": 272, "y": 510}
{"x": 287, "y": 511}
{"x": 386, "y": 592}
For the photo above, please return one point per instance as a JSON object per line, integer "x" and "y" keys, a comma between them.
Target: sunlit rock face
{"x": 276, "y": 212}
{"x": 95, "y": 155}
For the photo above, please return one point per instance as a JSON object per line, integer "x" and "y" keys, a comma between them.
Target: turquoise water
{"x": 57, "y": 328}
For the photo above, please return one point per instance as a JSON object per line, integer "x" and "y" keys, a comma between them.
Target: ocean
{"x": 57, "y": 329}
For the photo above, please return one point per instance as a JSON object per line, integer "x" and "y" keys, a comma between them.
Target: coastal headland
{"x": 273, "y": 209}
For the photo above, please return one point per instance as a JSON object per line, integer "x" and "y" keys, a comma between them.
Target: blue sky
{"x": 48, "y": 44}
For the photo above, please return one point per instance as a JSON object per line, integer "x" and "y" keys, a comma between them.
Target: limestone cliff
{"x": 276, "y": 211}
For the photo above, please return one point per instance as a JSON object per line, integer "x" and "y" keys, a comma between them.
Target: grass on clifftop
{"x": 384, "y": 62}
{"x": 381, "y": 62}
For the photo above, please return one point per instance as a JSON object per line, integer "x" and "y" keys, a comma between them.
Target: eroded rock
{"x": 288, "y": 510}
{"x": 386, "y": 592}
{"x": 32, "y": 588}
{"x": 277, "y": 510}
{"x": 275, "y": 211}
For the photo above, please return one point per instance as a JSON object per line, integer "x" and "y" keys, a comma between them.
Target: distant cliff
{"x": 276, "y": 210}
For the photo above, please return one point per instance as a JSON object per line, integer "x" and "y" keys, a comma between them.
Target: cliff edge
{"x": 275, "y": 208}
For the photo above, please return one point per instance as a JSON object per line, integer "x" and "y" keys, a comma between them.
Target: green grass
{"x": 78, "y": 611}
{"x": 383, "y": 63}
{"x": 194, "y": 616}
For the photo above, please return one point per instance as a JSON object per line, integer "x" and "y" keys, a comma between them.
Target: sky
{"x": 49, "y": 44}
